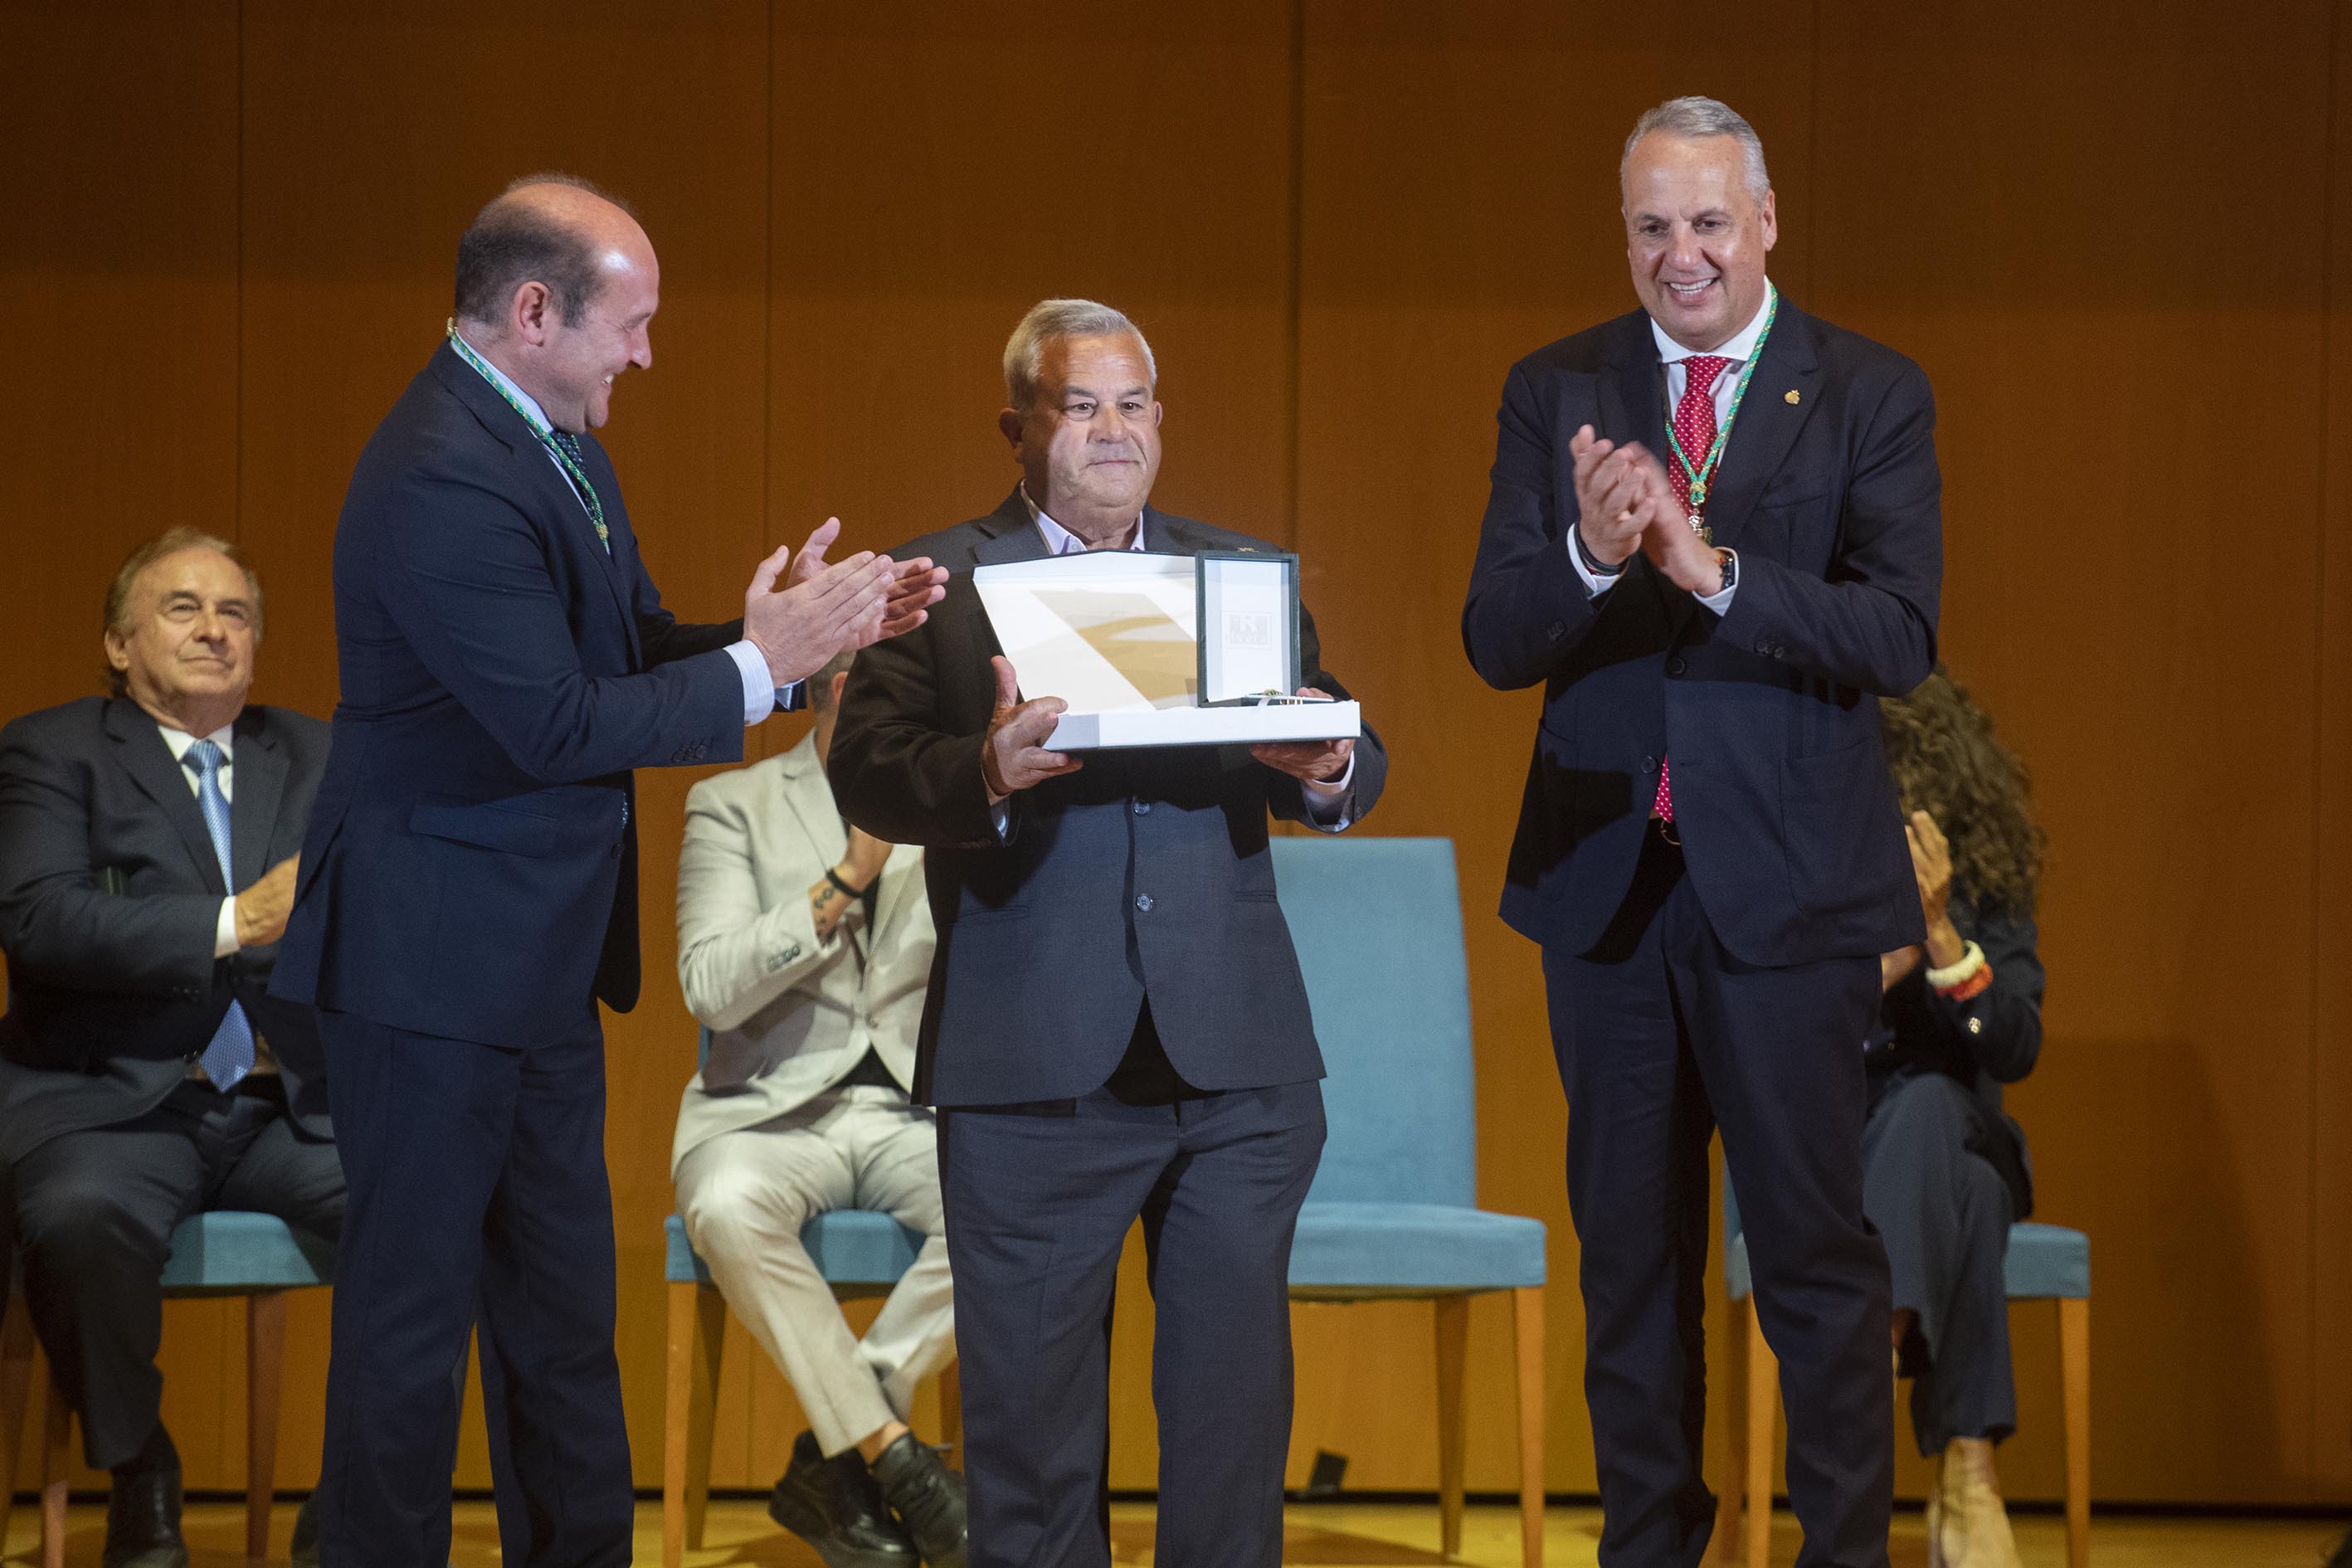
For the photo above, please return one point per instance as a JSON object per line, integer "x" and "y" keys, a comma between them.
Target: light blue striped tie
{"x": 229, "y": 1056}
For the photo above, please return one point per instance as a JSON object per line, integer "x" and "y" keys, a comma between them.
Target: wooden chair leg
{"x": 1453, "y": 1424}
{"x": 57, "y": 1467}
{"x": 15, "y": 1391}
{"x": 265, "y": 1357}
{"x": 1725, "y": 1545}
{"x": 1528, "y": 1326}
{"x": 1763, "y": 1411}
{"x": 951, "y": 1409}
{"x": 2075, "y": 1371}
{"x": 702, "y": 1410}
{"x": 698, "y": 1330}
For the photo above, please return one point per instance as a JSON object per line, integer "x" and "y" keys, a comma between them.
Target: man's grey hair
{"x": 820, "y": 685}
{"x": 1702, "y": 117}
{"x": 1024, "y": 351}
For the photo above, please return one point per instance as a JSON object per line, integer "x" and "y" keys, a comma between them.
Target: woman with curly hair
{"x": 1945, "y": 1172}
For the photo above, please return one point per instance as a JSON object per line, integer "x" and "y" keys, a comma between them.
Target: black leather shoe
{"x": 927, "y": 1497}
{"x": 142, "y": 1521}
{"x": 834, "y": 1506}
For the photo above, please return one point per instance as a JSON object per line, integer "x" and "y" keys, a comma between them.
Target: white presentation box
{"x": 1116, "y": 634}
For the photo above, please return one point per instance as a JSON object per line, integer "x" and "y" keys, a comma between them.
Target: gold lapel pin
{"x": 1792, "y": 398}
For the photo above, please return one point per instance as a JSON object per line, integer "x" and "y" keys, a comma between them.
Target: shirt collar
{"x": 1739, "y": 349}
{"x": 180, "y": 741}
{"x": 506, "y": 383}
{"x": 1060, "y": 540}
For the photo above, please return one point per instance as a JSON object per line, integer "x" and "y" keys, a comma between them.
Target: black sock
{"x": 157, "y": 1454}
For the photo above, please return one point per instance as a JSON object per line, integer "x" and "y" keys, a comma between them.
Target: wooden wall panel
{"x": 1993, "y": 198}
{"x": 119, "y": 251}
{"x": 934, "y": 178}
{"x": 2330, "y": 732}
{"x": 231, "y": 246}
{"x": 118, "y": 418}
{"x": 1460, "y": 210}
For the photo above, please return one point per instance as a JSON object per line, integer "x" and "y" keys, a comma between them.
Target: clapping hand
{"x": 1615, "y": 495}
{"x": 915, "y": 586}
{"x": 1931, "y": 864}
{"x": 826, "y": 607}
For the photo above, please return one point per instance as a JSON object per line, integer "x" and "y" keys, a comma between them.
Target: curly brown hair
{"x": 1949, "y": 763}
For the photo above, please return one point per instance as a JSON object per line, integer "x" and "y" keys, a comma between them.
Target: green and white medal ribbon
{"x": 1701, "y": 477}
{"x": 563, "y": 449}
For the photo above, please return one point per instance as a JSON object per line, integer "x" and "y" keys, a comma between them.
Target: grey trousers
{"x": 1943, "y": 1213}
{"x": 744, "y": 1196}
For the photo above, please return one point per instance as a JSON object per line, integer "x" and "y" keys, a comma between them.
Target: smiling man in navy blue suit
{"x": 1715, "y": 538}
{"x": 469, "y": 885}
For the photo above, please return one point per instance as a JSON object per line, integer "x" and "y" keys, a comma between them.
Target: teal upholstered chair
{"x": 1393, "y": 1212}
{"x": 859, "y": 1252}
{"x": 2045, "y": 1263}
{"x": 225, "y": 1253}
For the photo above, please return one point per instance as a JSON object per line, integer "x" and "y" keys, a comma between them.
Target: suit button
{"x": 1677, "y": 665}
{"x": 1556, "y": 630}
{"x": 1142, "y": 808}
{"x": 1143, "y": 902}
{"x": 1649, "y": 764}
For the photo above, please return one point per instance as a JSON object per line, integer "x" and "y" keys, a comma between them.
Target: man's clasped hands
{"x": 1624, "y": 502}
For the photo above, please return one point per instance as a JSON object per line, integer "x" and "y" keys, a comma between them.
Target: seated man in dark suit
{"x": 147, "y": 845}
{"x": 1116, "y": 1028}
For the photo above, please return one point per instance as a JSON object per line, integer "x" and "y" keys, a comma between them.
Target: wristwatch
{"x": 1729, "y": 561}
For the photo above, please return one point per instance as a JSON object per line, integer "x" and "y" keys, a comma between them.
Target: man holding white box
{"x": 1116, "y": 1025}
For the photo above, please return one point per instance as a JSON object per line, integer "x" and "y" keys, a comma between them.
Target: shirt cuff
{"x": 759, "y": 686}
{"x": 224, "y": 940}
{"x": 1327, "y": 801}
{"x": 1720, "y": 600}
{"x": 1595, "y": 582}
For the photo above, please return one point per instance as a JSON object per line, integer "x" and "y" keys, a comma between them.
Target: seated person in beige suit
{"x": 805, "y": 945}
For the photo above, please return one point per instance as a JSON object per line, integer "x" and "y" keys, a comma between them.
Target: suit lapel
{"x": 139, "y": 745}
{"x": 543, "y": 481}
{"x": 606, "y": 563}
{"x": 809, "y": 798}
{"x": 1632, "y": 398}
{"x": 1765, "y": 432}
{"x": 1632, "y": 395}
{"x": 260, "y": 789}
{"x": 1012, "y": 536}
{"x": 1166, "y": 535}
{"x": 897, "y": 890}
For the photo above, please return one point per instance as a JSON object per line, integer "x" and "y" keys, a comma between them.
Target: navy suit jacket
{"x": 109, "y": 903}
{"x": 1048, "y": 948}
{"x": 471, "y": 865}
{"x": 1830, "y": 497}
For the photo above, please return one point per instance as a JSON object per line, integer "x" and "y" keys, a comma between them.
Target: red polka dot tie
{"x": 1695, "y": 429}
{"x": 1694, "y": 417}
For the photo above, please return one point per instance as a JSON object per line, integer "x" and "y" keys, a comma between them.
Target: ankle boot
{"x": 1967, "y": 1525}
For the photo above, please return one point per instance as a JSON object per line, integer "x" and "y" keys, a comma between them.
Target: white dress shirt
{"x": 224, "y": 932}
{"x": 760, "y": 691}
{"x": 1739, "y": 348}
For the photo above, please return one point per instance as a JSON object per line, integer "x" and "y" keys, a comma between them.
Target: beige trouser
{"x": 744, "y": 1196}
